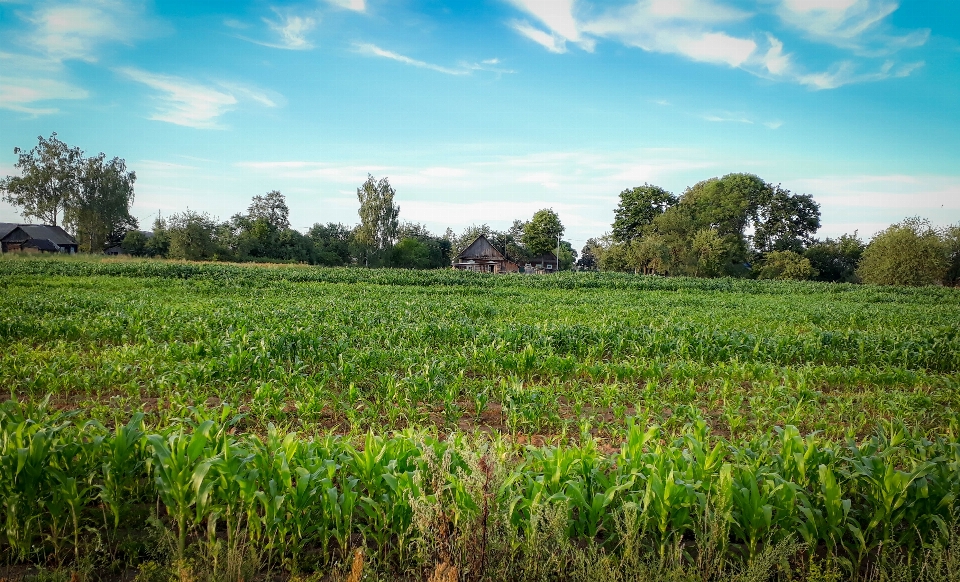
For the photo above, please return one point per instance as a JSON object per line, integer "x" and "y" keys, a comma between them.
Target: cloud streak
{"x": 191, "y": 104}
{"x": 375, "y": 51}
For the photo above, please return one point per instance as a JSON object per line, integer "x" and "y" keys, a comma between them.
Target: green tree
{"x": 588, "y": 258}
{"x": 272, "y": 208}
{"x": 637, "y": 209}
{"x": 785, "y": 222}
{"x": 332, "y": 242}
{"x": 378, "y": 219}
{"x": 541, "y": 234}
{"x": 135, "y": 243}
{"x": 786, "y": 265}
{"x": 159, "y": 244}
{"x": 907, "y": 253}
{"x": 48, "y": 182}
{"x": 710, "y": 251}
{"x": 191, "y": 236}
{"x": 835, "y": 260}
{"x": 100, "y": 212}
{"x": 650, "y": 254}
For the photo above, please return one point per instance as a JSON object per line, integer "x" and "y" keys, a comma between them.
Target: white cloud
{"x": 27, "y": 82}
{"x": 683, "y": 27}
{"x": 728, "y": 117}
{"x": 552, "y": 42}
{"x": 846, "y": 73}
{"x": 716, "y": 47}
{"x": 356, "y": 5}
{"x": 855, "y": 24}
{"x": 75, "y": 30}
{"x": 191, "y": 104}
{"x": 557, "y": 16}
{"x": 374, "y": 50}
{"x": 701, "y": 30}
{"x": 20, "y": 94}
{"x": 775, "y": 62}
{"x": 291, "y": 31}
{"x": 776, "y": 124}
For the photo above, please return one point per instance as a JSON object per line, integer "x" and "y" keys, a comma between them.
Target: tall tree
{"x": 100, "y": 214}
{"x": 48, "y": 182}
{"x": 638, "y": 208}
{"x": 541, "y": 233}
{"x": 271, "y": 207}
{"x": 378, "y": 226}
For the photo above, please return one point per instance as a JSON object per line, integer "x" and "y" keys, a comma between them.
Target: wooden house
{"x": 35, "y": 238}
{"x": 481, "y": 256}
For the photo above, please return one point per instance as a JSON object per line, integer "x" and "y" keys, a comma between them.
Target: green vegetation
{"x": 216, "y": 421}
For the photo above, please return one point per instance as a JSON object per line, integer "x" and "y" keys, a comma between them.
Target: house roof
{"x": 54, "y": 234}
{"x": 482, "y": 249}
{"x": 6, "y": 228}
{"x": 42, "y": 244}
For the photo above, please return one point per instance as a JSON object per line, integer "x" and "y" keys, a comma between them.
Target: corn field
{"x": 233, "y": 422}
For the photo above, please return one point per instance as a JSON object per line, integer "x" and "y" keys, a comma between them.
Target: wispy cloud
{"x": 702, "y": 30}
{"x": 191, "y": 104}
{"x": 291, "y": 31}
{"x": 56, "y": 31}
{"x": 558, "y": 17}
{"x": 727, "y": 117}
{"x": 853, "y": 24}
{"x": 355, "y": 5}
{"x": 75, "y": 30}
{"x": 375, "y": 51}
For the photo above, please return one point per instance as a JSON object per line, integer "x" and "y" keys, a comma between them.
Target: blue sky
{"x": 487, "y": 111}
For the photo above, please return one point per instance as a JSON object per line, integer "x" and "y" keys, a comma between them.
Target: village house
{"x": 42, "y": 238}
{"x": 481, "y": 256}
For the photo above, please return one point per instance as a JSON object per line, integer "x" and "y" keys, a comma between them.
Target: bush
{"x": 787, "y": 265}
{"x": 908, "y": 253}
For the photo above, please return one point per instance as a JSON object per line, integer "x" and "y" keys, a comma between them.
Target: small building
{"x": 481, "y": 256}
{"x": 545, "y": 263}
{"x": 42, "y": 238}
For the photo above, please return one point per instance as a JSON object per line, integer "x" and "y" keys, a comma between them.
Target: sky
{"x": 487, "y": 111}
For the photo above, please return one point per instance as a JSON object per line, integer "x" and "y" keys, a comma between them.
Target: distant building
{"x": 42, "y": 238}
{"x": 481, "y": 256}
{"x": 545, "y": 263}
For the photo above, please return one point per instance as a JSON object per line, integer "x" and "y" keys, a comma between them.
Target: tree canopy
{"x": 637, "y": 209}
{"x": 907, "y": 253}
{"x": 49, "y": 180}
{"x": 541, "y": 233}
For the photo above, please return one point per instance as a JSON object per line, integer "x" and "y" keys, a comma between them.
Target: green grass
{"x": 800, "y": 427}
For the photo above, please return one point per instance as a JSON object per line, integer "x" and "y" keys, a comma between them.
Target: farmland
{"x": 281, "y": 419}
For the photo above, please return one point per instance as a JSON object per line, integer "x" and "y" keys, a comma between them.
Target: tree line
{"x": 737, "y": 225}
{"x": 741, "y": 226}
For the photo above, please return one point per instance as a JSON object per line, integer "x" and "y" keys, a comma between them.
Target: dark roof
{"x": 42, "y": 244}
{"x": 54, "y": 234}
{"x": 481, "y": 248}
{"x": 6, "y": 228}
